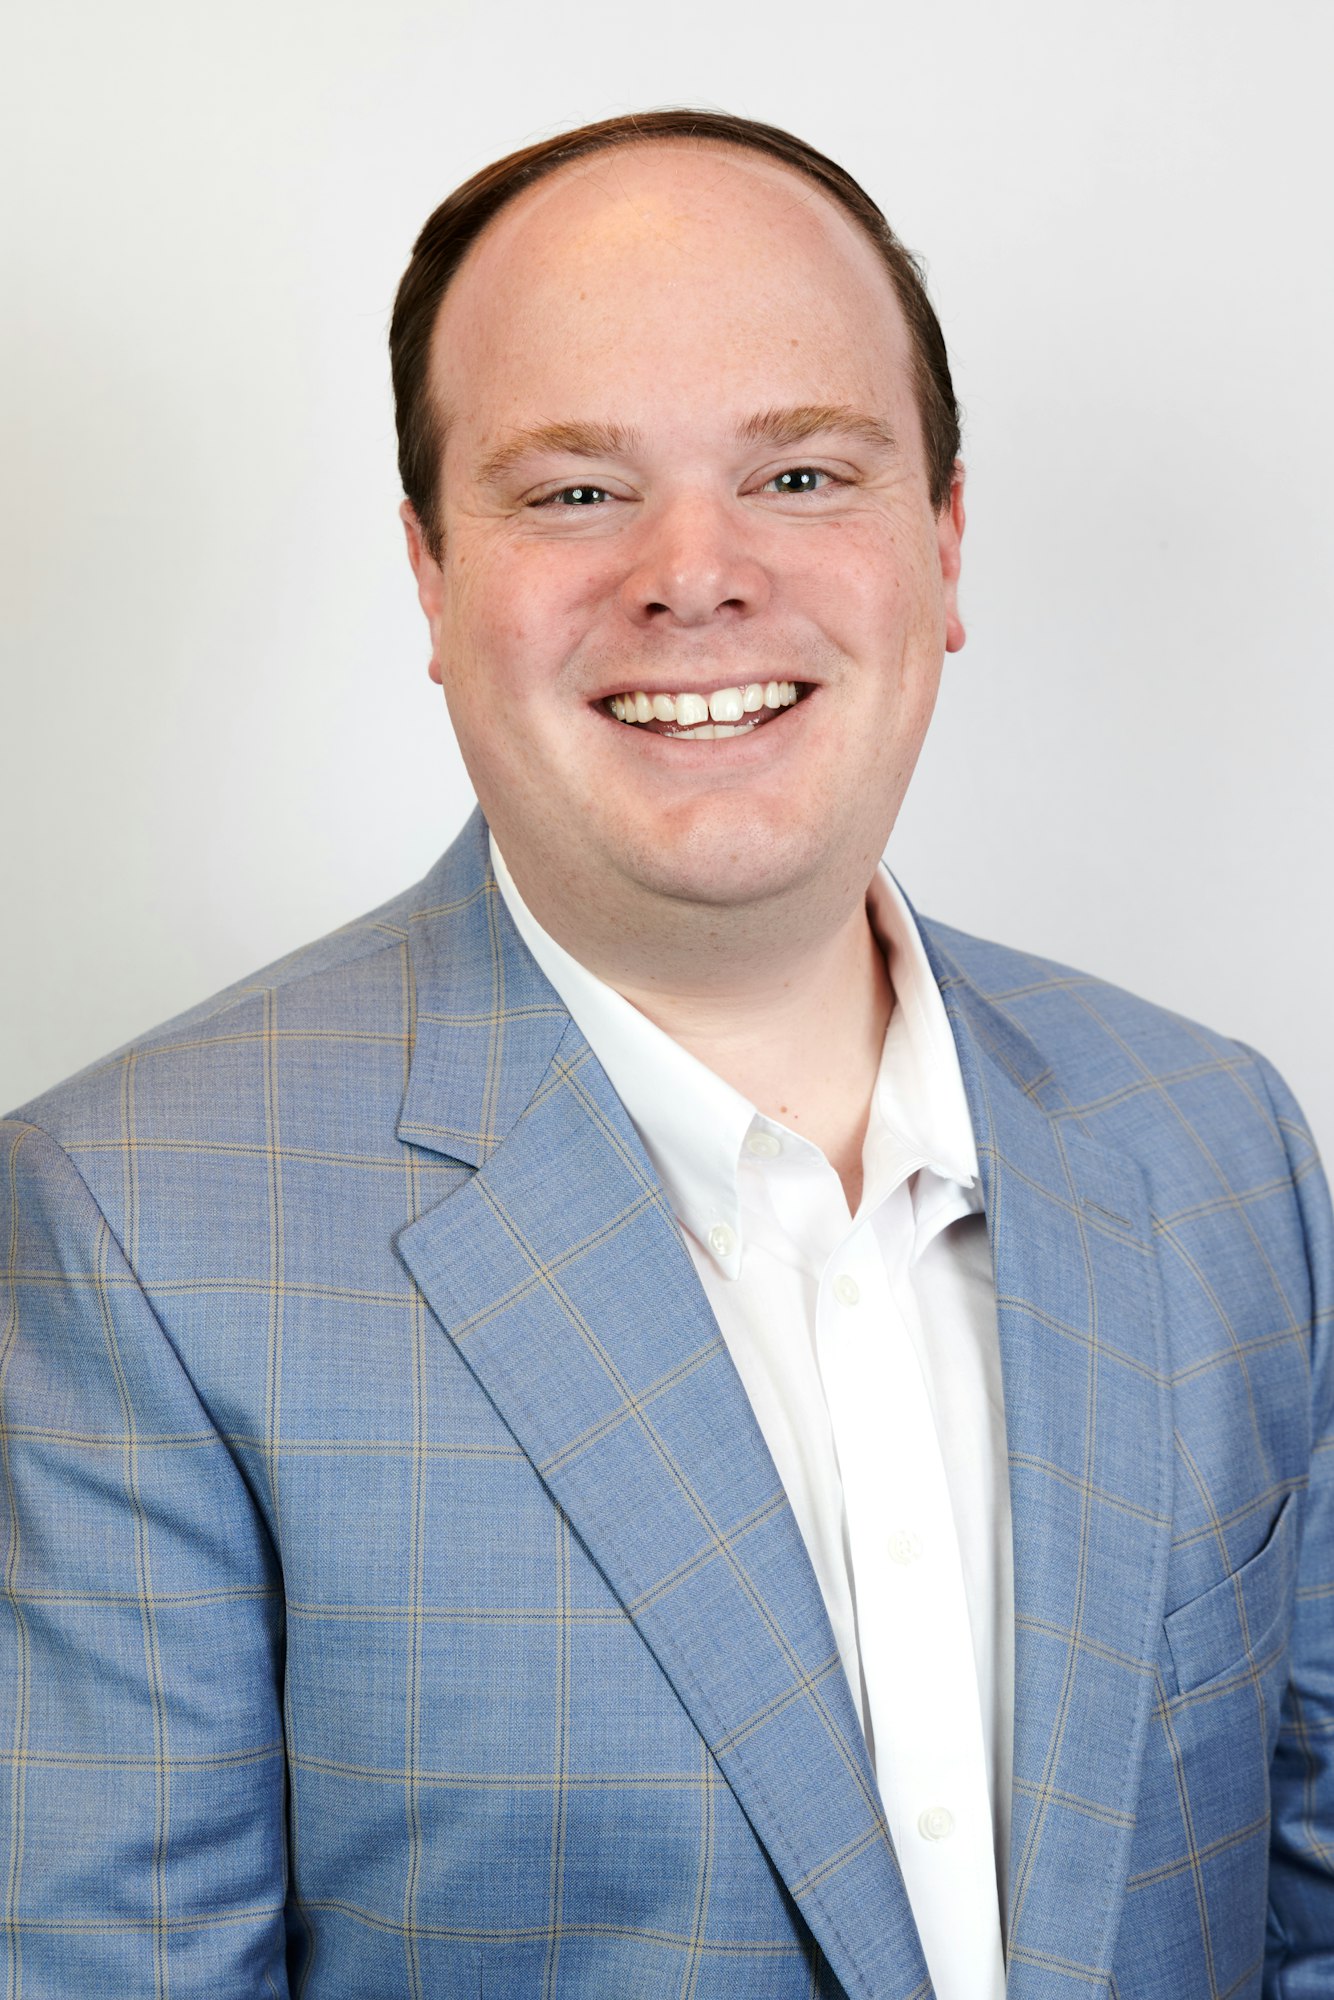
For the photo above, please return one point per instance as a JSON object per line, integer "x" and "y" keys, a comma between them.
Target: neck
{"x": 805, "y": 1049}
{"x": 792, "y": 1014}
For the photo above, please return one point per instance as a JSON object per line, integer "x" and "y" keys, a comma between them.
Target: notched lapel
{"x": 1088, "y": 1416}
{"x": 560, "y": 1275}
{"x": 484, "y": 1021}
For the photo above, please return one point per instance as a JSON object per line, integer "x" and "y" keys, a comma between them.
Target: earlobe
{"x": 430, "y": 582}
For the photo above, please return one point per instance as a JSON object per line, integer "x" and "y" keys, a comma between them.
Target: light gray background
{"x": 219, "y": 736}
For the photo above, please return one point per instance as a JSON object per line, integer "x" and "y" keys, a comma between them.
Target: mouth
{"x": 708, "y": 715}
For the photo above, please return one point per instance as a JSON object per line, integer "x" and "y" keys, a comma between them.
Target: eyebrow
{"x": 777, "y": 427}
{"x": 579, "y": 440}
{"x": 806, "y": 420}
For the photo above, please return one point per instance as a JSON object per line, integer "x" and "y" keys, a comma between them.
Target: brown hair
{"x": 462, "y": 216}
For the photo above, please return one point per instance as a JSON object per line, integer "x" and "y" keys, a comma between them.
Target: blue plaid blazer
{"x": 400, "y": 1599}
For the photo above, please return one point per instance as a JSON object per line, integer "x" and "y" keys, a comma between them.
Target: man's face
{"x": 683, "y": 457}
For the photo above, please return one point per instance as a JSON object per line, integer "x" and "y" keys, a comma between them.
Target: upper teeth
{"x": 727, "y": 704}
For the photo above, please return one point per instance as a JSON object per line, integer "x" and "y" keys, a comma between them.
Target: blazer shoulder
{"x": 1185, "y": 1098}
{"x": 1081, "y": 1021}
{"x": 347, "y": 986}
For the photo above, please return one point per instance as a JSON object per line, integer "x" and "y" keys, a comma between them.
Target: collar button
{"x": 763, "y": 1145}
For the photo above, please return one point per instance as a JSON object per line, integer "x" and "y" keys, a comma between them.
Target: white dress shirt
{"x": 867, "y": 1346}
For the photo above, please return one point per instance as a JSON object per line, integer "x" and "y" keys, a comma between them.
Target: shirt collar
{"x": 694, "y": 1125}
{"x": 920, "y": 1111}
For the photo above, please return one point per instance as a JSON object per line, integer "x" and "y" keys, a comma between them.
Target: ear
{"x": 949, "y": 539}
{"x": 430, "y": 582}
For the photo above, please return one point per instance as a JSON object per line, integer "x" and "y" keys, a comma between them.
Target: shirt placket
{"x": 913, "y": 1625}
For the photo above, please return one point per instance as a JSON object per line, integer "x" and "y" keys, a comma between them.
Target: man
{"x": 641, "y": 1420}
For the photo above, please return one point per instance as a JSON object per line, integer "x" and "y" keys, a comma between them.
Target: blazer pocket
{"x": 1236, "y": 1619}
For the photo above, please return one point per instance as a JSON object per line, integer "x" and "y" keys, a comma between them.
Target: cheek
{"x": 487, "y": 643}
{"x": 874, "y": 576}
{"x": 514, "y": 617}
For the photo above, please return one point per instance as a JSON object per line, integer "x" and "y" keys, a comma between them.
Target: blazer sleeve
{"x": 1299, "y": 1963}
{"x": 142, "y": 1843}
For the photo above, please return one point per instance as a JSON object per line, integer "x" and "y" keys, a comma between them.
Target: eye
{"x": 800, "y": 479}
{"x": 574, "y": 496}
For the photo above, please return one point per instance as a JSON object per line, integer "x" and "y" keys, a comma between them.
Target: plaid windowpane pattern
{"x": 400, "y": 1599}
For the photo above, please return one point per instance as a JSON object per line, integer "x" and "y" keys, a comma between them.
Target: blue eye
{"x": 800, "y": 479}
{"x": 577, "y": 496}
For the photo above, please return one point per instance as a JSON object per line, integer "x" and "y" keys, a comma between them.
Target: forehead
{"x": 655, "y": 264}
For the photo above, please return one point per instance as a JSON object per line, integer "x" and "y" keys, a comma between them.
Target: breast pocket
{"x": 1241, "y": 1618}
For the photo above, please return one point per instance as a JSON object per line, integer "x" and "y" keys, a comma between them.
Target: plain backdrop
{"x": 219, "y": 739}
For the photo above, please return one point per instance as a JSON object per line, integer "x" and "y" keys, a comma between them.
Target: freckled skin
{"x": 676, "y": 291}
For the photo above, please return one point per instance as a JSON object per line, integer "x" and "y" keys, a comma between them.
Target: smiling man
{"x": 642, "y": 1419}
{"x": 689, "y": 576}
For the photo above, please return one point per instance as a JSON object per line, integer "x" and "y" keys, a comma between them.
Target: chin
{"x": 729, "y": 866}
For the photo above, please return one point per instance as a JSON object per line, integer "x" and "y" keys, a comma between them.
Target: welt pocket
{"x": 1215, "y": 1633}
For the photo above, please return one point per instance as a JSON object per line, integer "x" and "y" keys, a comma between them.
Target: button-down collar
{"x": 697, "y": 1129}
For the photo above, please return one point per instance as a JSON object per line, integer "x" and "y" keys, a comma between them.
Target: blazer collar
{"x": 484, "y": 1024}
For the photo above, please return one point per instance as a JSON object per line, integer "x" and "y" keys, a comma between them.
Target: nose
{"x": 692, "y": 566}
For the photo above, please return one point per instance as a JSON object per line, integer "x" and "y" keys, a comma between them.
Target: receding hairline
{"x": 750, "y": 157}
{"x": 462, "y": 222}
{"x": 755, "y": 160}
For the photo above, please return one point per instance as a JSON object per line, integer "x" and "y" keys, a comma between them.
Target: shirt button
{"x": 846, "y": 1290}
{"x": 905, "y": 1547}
{"x": 764, "y": 1145}
{"x": 721, "y": 1240}
{"x": 936, "y": 1823}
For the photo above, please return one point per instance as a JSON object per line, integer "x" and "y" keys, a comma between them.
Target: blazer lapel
{"x": 1088, "y": 1415}
{"x": 558, "y": 1271}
